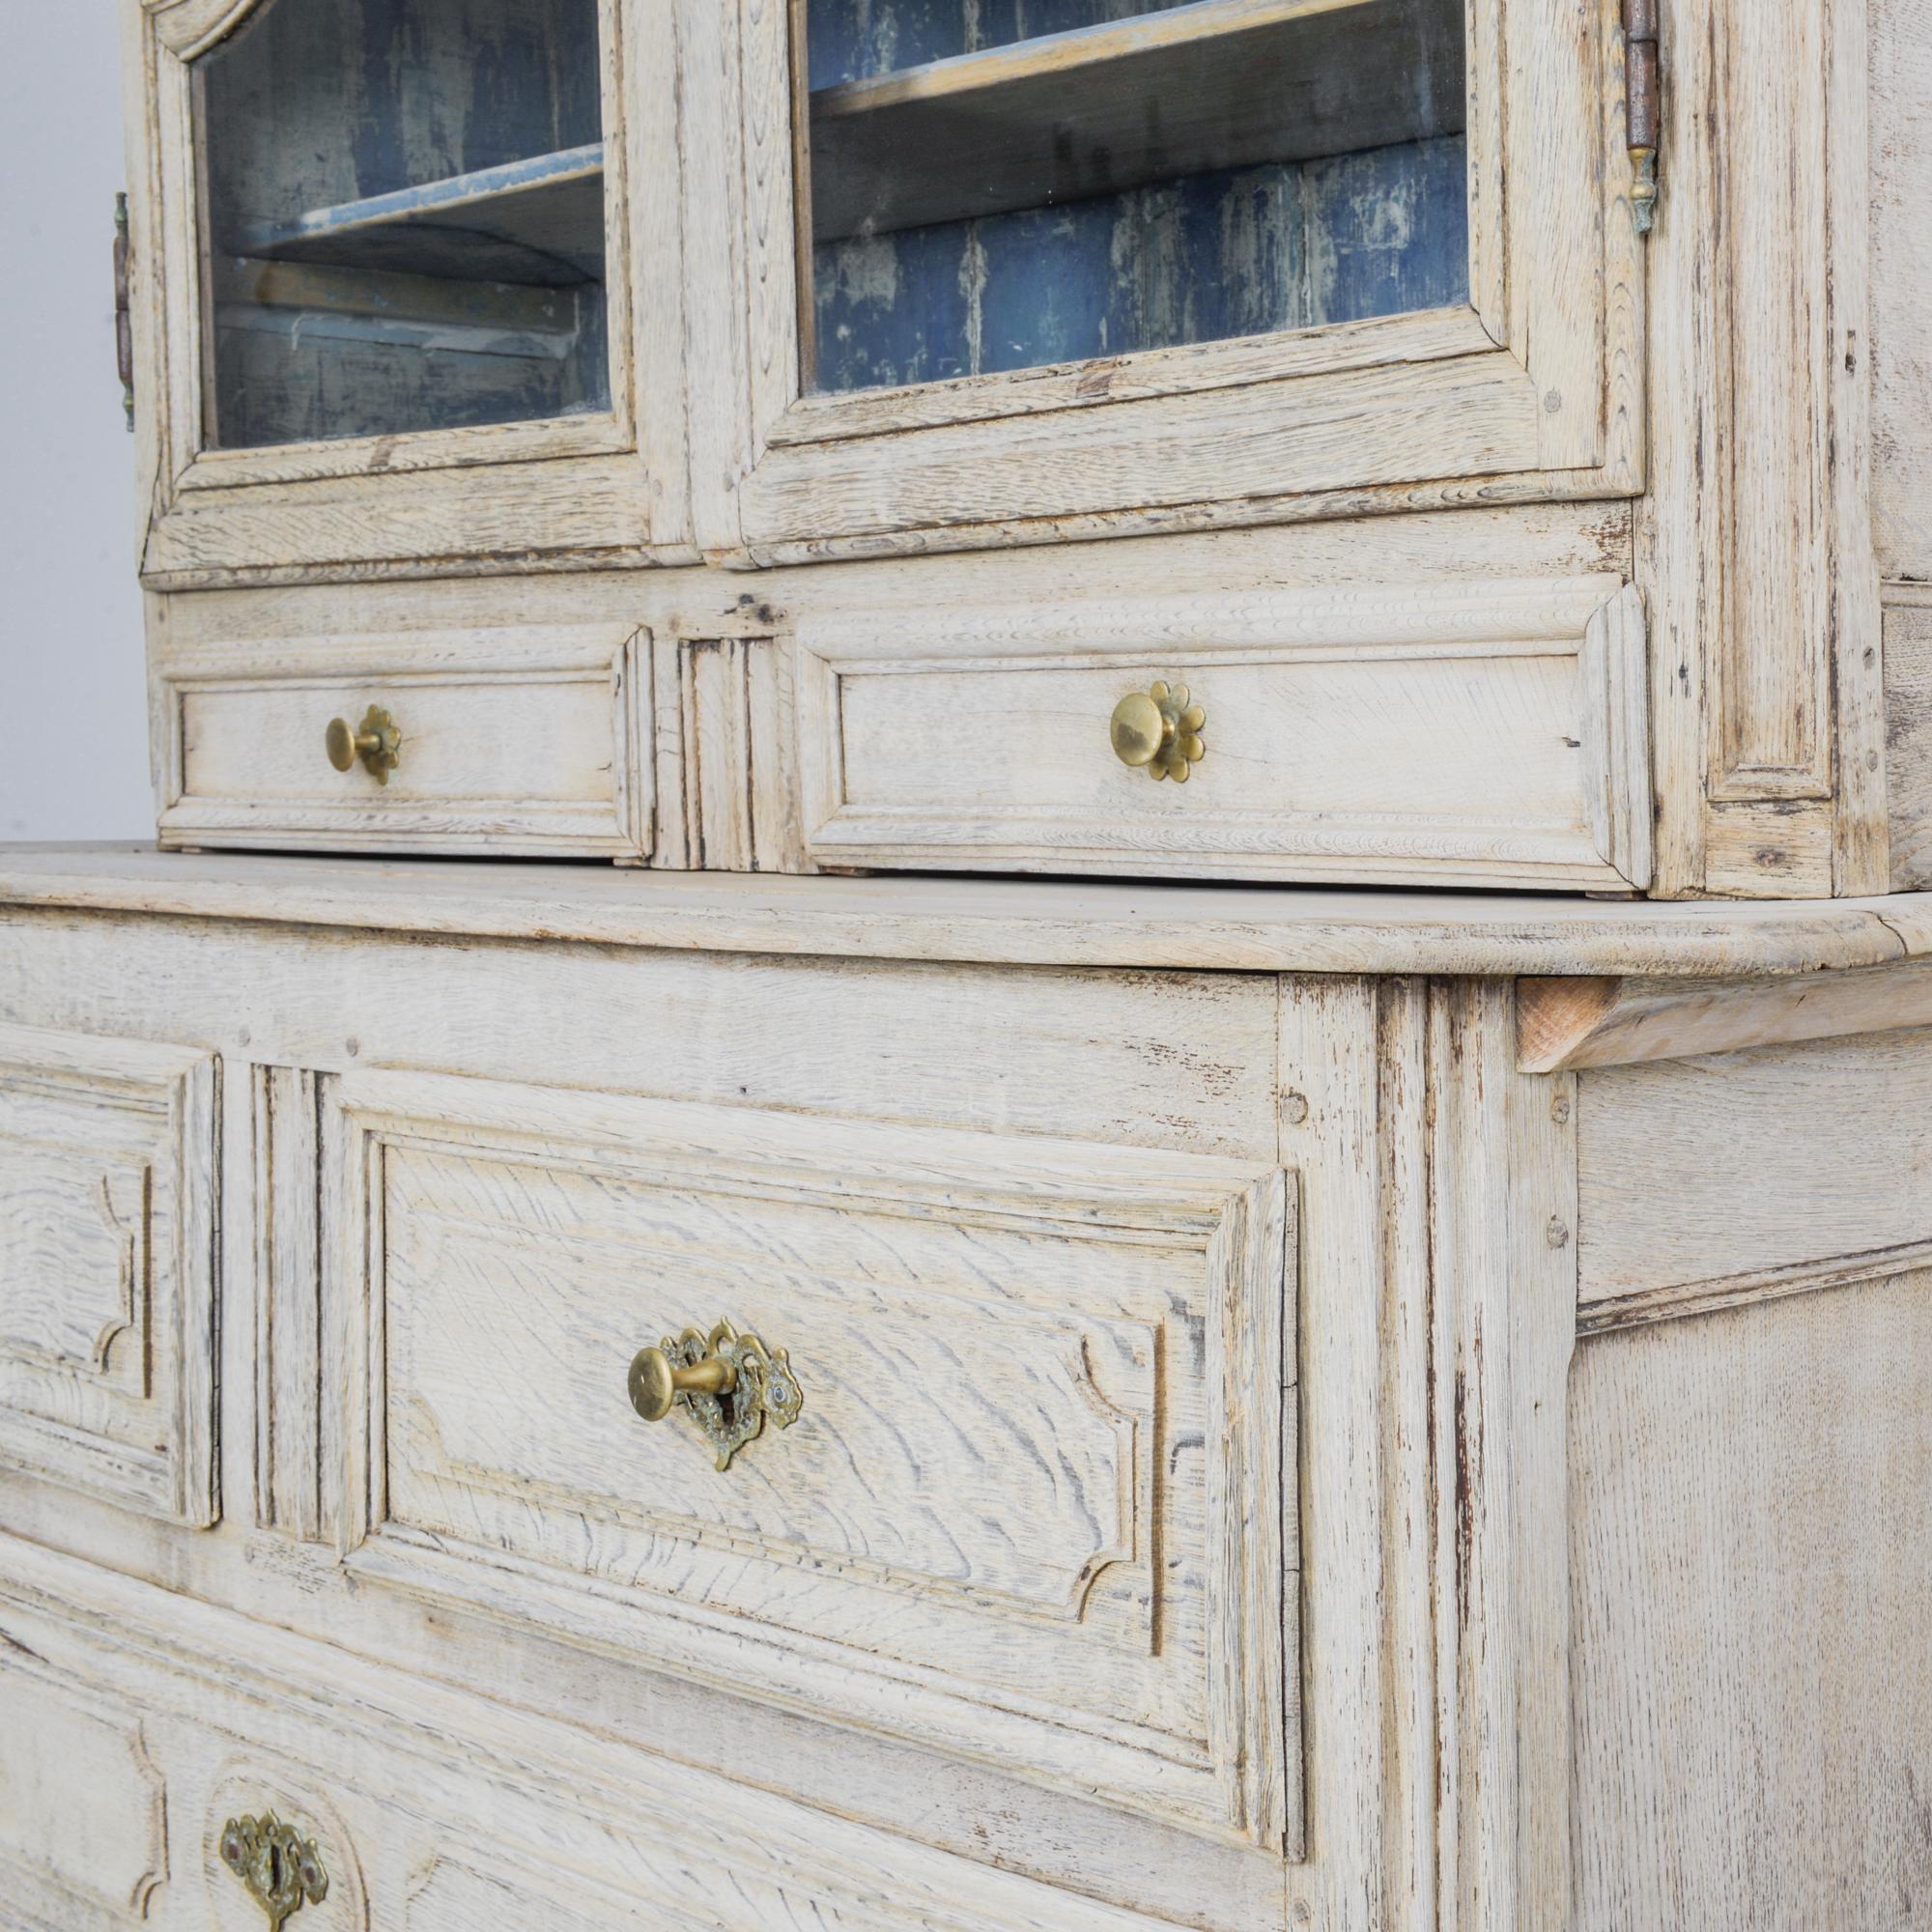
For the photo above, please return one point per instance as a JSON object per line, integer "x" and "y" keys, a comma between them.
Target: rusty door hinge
{"x": 124, "y": 316}
{"x": 1642, "y": 107}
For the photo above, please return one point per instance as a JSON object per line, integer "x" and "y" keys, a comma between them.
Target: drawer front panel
{"x": 1031, "y": 1514}
{"x": 529, "y": 742}
{"x": 107, "y": 1214}
{"x": 1495, "y": 736}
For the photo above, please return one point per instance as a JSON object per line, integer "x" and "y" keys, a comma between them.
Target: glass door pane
{"x": 403, "y": 210}
{"x": 1003, "y": 183}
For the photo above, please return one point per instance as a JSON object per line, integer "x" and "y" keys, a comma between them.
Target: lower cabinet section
{"x": 561, "y": 1437}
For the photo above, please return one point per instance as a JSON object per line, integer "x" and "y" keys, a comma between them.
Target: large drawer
{"x": 152, "y": 1744}
{"x": 1494, "y": 734}
{"x": 1032, "y": 1517}
{"x": 107, "y": 1269}
{"x": 533, "y": 741}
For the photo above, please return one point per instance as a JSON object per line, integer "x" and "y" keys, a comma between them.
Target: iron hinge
{"x": 124, "y": 309}
{"x": 1642, "y": 107}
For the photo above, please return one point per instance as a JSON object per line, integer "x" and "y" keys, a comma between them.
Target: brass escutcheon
{"x": 1160, "y": 727}
{"x": 377, "y": 743}
{"x": 731, "y": 1383}
{"x": 282, "y": 1870}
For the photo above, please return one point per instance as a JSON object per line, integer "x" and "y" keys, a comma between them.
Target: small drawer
{"x": 1489, "y": 735}
{"x": 107, "y": 1255}
{"x": 1030, "y": 1516}
{"x": 533, "y": 741}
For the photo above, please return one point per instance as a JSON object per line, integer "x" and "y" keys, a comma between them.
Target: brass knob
{"x": 657, "y": 1381}
{"x": 731, "y": 1384}
{"x": 281, "y": 1869}
{"x": 377, "y": 743}
{"x": 1160, "y": 727}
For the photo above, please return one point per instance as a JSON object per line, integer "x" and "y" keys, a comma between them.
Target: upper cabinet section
{"x": 389, "y": 286}
{"x": 1015, "y": 270}
{"x": 404, "y": 220}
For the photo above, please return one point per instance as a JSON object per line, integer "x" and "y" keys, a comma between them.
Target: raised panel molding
{"x": 466, "y": 1802}
{"x": 727, "y": 756}
{"x": 108, "y": 1218}
{"x": 83, "y": 1807}
{"x": 1756, "y": 539}
{"x": 1098, "y": 1607}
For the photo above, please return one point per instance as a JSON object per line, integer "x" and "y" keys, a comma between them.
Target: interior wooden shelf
{"x": 535, "y": 223}
{"x": 1215, "y": 84}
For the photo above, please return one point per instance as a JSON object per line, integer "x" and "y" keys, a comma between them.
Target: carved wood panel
{"x": 83, "y": 1807}
{"x": 1031, "y": 1513}
{"x": 107, "y": 1187}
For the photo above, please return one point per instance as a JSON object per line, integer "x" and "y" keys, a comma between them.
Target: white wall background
{"x": 73, "y": 754}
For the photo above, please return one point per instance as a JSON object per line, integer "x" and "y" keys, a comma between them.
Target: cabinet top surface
{"x": 1027, "y": 923}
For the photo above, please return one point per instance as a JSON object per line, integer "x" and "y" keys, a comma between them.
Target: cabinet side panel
{"x": 1751, "y": 1535}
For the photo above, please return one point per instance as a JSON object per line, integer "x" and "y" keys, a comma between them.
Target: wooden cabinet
{"x": 616, "y": 1392}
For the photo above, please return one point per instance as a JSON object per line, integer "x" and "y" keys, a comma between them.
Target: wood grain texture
{"x": 397, "y": 1774}
{"x": 1387, "y": 733}
{"x": 1431, "y": 1382}
{"x": 1750, "y": 1542}
{"x": 734, "y": 807}
{"x": 993, "y": 922}
{"x": 286, "y": 1348}
{"x": 83, "y": 1807}
{"x": 1764, "y": 1163}
{"x": 107, "y": 1250}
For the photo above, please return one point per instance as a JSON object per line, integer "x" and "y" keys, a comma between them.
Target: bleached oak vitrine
{"x": 1361, "y": 1373}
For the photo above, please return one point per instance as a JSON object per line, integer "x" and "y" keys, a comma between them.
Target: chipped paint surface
{"x": 1240, "y": 251}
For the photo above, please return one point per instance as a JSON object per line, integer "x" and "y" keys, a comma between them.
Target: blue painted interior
{"x": 1238, "y": 252}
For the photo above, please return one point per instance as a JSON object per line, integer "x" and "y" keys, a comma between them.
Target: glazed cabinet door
{"x": 386, "y": 254}
{"x": 1016, "y": 272}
